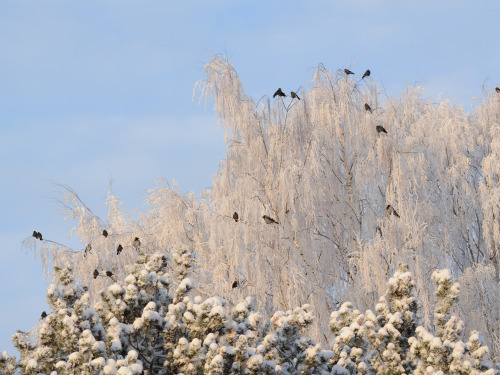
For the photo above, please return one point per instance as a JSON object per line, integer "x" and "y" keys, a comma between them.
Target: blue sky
{"x": 94, "y": 91}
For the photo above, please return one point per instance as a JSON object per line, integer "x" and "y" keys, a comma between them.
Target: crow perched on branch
{"x": 279, "y": 93}
{"x": 119, "y": 249}
{"x": 380, "y": 129}
{"x": 269, "y": 220}
{"x": 88, "y": 249}
{"x": 347, "y": 71}
{"x": 96, "y": 273}
{"x": 37, "y": 235}
{"x": 105, "y": 233}
{"x": 368, "y": 108}
{"x": 109, "y": 273}
{"x": 136, "y": 243}
{"x": 235, "y": 216}
{"x": 367, "y": 74}
{"x": 391, "y": 211}
{"x": 294, "y": 95}
{"x": 235, "y": 284}
{"x": 44, "y": 314}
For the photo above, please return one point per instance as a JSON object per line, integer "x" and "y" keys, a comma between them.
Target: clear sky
{"x": 94, "y": 91}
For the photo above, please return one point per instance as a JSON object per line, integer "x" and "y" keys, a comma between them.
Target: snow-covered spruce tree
{"x": 443, "y": 352}
{"x": 320, "y": 169}
{"x": 151, "y": 324}
{"x": 378, "y": 343}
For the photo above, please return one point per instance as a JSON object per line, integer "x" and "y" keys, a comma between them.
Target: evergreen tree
{"x": 153, "y": 323}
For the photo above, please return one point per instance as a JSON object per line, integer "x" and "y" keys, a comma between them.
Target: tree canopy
{"x": 151, "y": 324}
{"x": 348, "y": 201}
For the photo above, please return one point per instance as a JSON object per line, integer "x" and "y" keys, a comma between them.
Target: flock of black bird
{"x": 267, "y": 219}
{"x": 379, "y": 128}
{"x": 136, "y": 243}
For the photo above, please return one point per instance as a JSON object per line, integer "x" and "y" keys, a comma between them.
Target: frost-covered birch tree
{"x": 349, "y": 202}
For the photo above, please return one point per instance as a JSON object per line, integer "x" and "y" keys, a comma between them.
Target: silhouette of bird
{"x": 109, "y": 273}
{"x": 235, "y": 216}
{"x": 269, "y": 220}
{"x": 35, "y": 234}
{"x": 368, "y": 108}
{"x": 279, "y": 93}
{"x": 367, "y": 74}
{"x": 40, "y": 236}
{"x": 136, "y": 243}
{"x": 105, "y": 233}
{"x": 497, "y": 89}
{"x": 235, "y": 284}
{"x": 119, "y": 249}
{"x": 87, "y": 250}
{"x": 294, "y": 95}
{"x": 44, "y": 314}
{"x": 96, "y": 273}
{"x": 380, "y": 129}
{"x": 347, "y": 71}
{"x": 99, "y": 335}
{"x": 391, "y": 211}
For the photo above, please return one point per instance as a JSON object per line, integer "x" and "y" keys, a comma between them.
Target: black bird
{"x": 279, "y": 93}
{"x": 40, "y": 236}
{"x": 269, "y": 220}
{"x": 99, "y": 335}
{"x": 497, "y": 89}
{"x": 235, "y": 284}
{"x": 347, "y": 71}
{"x": 35, "y": 234}
{"x": 294, "y": 95}
{"x": 367, "y": 74}
{"x": 119, "y": 249}
{"x": 235, "y": 216}
{"x": 136, "y": 243}
{"x": 391, "y": 211}
{"x": 44, "y": 314}
{"x": 109, "y": 273}
{"x": 380, "y": 129}
{"x": 87, "y": 250}
{"x": 96, "y": 273}
{"x": 368, "y": 108}
{"x": 105, "y": 233}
